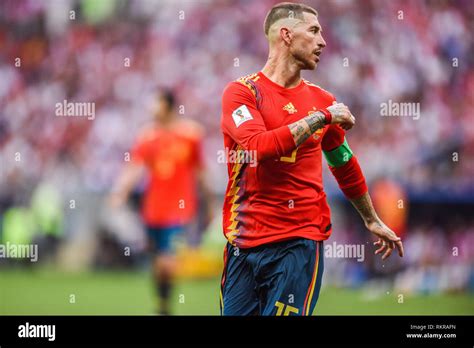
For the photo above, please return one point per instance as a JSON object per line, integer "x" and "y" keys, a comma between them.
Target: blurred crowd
{"x": 438, "y": 258}
{"x": 117, "y": 53}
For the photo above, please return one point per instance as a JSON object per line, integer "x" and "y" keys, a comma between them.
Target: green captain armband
{"x": 339, "y": 156}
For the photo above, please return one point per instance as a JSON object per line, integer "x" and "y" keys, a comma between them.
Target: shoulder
{"x": 245, "y": 84}
{"x": 147, "y": 133}
{"x": 322, "y": 93}
{"x": 191, "y": 129}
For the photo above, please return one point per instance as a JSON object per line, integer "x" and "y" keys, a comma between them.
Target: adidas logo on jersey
{"x": 290, "y": 108}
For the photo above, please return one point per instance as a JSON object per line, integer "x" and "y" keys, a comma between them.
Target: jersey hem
{"x": 316, "y": 236}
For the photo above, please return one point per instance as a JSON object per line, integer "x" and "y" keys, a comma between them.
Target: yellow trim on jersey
{"x": 312, "y": 285}
{"x": 244, "y": 80}
{"x": 290, "y": 159}
{"x": 222, "y": 301}
{"x": 233, "y": 190}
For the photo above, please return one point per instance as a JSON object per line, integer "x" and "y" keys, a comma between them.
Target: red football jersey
{"x": 281, "y": 196}
{"x": 173, "y": 158}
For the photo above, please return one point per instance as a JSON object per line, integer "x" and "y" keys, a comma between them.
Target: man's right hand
{"x": 341, "y": 115}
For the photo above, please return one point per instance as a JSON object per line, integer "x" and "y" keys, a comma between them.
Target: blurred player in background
{"x": 170, "y": 152}
{"x": 276, "y": 216}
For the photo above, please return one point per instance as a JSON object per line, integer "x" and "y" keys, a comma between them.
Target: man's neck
{"x": 167, "y": 122}
{"x": 282, "y": 70}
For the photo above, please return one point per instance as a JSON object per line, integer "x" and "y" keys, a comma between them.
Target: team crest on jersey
{"x": 290, "y": 108}
{"x": 241, "y": 115}
{"x": 318, "y": 133}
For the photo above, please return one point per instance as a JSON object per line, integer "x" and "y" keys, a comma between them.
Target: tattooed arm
{"x": 365, "y": 208}
{"x": 304, "y": 128}
{"x": 387, "y": 239}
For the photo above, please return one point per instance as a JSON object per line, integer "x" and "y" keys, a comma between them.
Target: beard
{"x": 304, "y": 59}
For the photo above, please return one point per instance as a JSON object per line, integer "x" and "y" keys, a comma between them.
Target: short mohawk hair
{"x": 286, "y": 10}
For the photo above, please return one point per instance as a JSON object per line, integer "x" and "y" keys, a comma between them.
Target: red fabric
{"x": 172, "y": 157}
{"x": 334, "y": 137}
{"x": 280, "y": 198}
{"x": 253, "y": 135}
{"x": 327, "y": 116}
{"x": 350, "y": 178}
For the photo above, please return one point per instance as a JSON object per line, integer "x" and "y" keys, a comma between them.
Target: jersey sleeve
{"x": 242, "y": 121}
{"x": 342, "y": 163}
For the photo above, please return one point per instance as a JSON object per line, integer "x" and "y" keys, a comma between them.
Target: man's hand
{"x": 387, "y": 239}
{"x": 304, "y": 128}
{"x": 341, "y": 115}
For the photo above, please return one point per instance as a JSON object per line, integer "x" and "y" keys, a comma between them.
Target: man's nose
{"x": 322, "y": 43}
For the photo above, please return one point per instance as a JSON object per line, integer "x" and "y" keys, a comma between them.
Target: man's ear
{"x": 286, "y": 35}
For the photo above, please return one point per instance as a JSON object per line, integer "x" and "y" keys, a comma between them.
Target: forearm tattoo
{"x": 365, "y": 208}
{"x": 315, "y": 121}
{"x": 304, "y": 128}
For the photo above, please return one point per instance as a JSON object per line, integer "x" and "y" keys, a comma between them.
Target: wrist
{"x": 327, "y": 116}
{"x": 372, "y": 220}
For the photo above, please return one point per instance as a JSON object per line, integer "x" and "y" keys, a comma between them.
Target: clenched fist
{"x": 341, "y": 115}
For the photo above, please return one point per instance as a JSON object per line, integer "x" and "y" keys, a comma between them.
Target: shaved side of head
{"x": 284, "y": 14}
